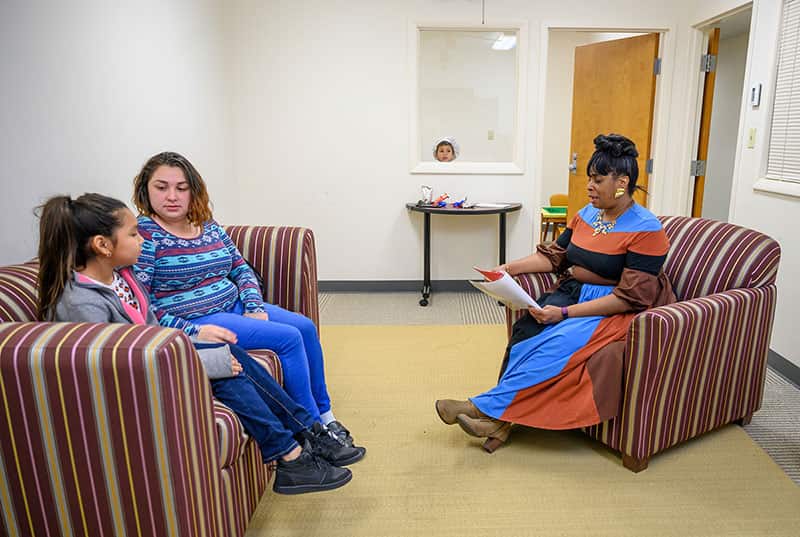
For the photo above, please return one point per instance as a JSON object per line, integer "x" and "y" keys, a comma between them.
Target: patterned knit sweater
{"x": 189, "y": 278}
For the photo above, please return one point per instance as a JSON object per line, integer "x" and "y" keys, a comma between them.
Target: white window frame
{"x": 774, "y": 179}
{"x": 513, "y": 167}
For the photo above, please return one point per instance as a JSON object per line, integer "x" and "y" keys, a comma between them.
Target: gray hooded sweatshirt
{"x": 94, "y": 303}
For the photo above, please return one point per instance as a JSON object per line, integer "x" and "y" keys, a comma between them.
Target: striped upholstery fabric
{"x": 286, "y": 257}
{"x": 18, "y": 292}
{"x": 106, "y": 430}
{"x": 242, "y": 487}
{"x": 707, "y": 257}
{"x": 111, "y": 429}
{"x": 697, "y": 364}
{"x": 231, "y": 437}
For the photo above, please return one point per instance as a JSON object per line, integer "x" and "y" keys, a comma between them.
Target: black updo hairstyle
{"x": 615, "y": 155}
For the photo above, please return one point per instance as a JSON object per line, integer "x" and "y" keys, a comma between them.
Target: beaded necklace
{"x": 601, "y": 227}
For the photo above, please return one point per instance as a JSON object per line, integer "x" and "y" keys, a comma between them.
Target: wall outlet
{"x": 751, "y": 138}
{"x": 490, "y": 134}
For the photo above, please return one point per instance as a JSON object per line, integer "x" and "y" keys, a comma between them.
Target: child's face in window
{"x": 444, "y": 153}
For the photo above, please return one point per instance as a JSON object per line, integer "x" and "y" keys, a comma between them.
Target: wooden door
{"x": 614, "y": 90}
{"x": 705, "y": 125}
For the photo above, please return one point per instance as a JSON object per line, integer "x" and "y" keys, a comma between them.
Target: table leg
{"x": 502, "y": 238}
{"x": 502, "y": 253}
{"x": 426, "y": 282}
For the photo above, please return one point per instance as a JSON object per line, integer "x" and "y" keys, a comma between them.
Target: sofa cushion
{"x": 18, "y": 292}
{"x": 231, "y": 437}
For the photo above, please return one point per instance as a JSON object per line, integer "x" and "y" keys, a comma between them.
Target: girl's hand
{"x": 258, "y": 315}
{"x": 236, "y": 367}
{"x": 547, "y": 315}
{"x": 216, "y": 334}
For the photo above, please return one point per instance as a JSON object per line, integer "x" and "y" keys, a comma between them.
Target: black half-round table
{"x": 427, "y": 211}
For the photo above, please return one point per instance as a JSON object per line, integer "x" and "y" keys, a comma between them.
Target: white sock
{"x": 327, "y": 417}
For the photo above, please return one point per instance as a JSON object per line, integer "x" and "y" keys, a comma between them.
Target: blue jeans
{"x": 293, "y": 337}
{"x": 266, "y": 411}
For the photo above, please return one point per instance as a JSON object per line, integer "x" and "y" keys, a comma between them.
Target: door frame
{"x": 659, "y": 199}
{"x": 701, "y": 32}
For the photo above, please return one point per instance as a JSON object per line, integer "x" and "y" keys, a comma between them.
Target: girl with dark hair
{"x": 609, "y": 261}
{"x": 199, "y": 282}
{"x": 86, "y": 249}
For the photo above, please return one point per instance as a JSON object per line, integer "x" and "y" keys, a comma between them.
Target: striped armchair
{"x": 111, "y": 429}
{"x": 697, "y": 364}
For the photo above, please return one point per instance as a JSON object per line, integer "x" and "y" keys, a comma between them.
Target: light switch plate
{"x": 755, "y": 95}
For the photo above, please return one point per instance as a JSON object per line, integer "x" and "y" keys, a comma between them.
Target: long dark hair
{"x": 199, "y": 207}
{"x": 65, "y": 227}
{"x": 616, "y": 155}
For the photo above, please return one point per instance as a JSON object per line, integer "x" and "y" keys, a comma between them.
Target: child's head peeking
{"x": 446, "y": 149}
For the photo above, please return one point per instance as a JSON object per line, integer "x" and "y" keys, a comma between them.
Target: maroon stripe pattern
{"x": 111, "y": 429}
{"x": 286, "y": 258}
{"x": 18, "y": 292}
{"x": 106, "y": 429}
{"x": 697, "y": 364}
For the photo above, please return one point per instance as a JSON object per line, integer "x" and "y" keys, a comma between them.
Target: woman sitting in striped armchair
{"x": 198, "y": 282}
{"x": 86, "y": 247}
{"x": 610, "y": 261}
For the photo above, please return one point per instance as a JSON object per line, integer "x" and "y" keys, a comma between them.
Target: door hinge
{"x": 648, "y": 166}
{"x": 708, "y": 63}
{"x": 657, "y": 66}
{"x": 697, "y": 168}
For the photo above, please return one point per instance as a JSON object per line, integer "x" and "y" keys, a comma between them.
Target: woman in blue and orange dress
{"x": 609, "y": 260}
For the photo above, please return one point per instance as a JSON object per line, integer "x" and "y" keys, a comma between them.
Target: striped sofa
{"x": 111, "y": 429}
{"x": 699, "y": 363}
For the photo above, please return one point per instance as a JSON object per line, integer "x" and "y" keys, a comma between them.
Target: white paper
{"x": 492, "y": 205}
{"x": 507, "y": 291}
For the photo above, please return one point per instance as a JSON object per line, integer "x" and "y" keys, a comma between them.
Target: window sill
{"x": 773, "y": 186}
{"x": 483, "y": 168}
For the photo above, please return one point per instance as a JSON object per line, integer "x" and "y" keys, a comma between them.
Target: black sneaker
{"x": 340, "y": 433}
{"x": 308, "y": 473}
{"x": 325, "y": 446}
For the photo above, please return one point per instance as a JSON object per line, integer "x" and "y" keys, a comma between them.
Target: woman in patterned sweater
{"x": 199, "y": 282}
{"x": 86, "y": 247}
{"x": 558, "y": 371}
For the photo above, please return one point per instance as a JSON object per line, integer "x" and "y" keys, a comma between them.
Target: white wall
{"x": 90, "y": 89}
{"x": 767, "y": 212}
{"x": 298, "y": 113}
{"x": 728, "y": 89}
{"x": 321, "y": 116}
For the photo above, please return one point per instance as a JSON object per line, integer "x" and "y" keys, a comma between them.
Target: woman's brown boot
{"x": 449, "y": 409}
{"x": 495, "y": 431}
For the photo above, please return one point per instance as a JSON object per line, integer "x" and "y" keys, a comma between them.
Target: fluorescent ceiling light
{"x": 505, "y": 42}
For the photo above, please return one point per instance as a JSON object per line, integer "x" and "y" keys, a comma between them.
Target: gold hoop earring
{"x": 619, "y": 193}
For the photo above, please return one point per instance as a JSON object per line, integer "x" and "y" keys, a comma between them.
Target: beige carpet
{"x": 421, "y": 477}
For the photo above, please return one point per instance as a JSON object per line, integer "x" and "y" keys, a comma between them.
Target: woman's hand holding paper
{"x": 546, "y": 314}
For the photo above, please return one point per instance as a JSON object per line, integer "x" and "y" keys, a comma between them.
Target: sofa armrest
{"x": 536, "y": 284}
{"x": 105, "y": 429}
{"x": 286, "y": 258}
{"x": 692, "y": 366}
